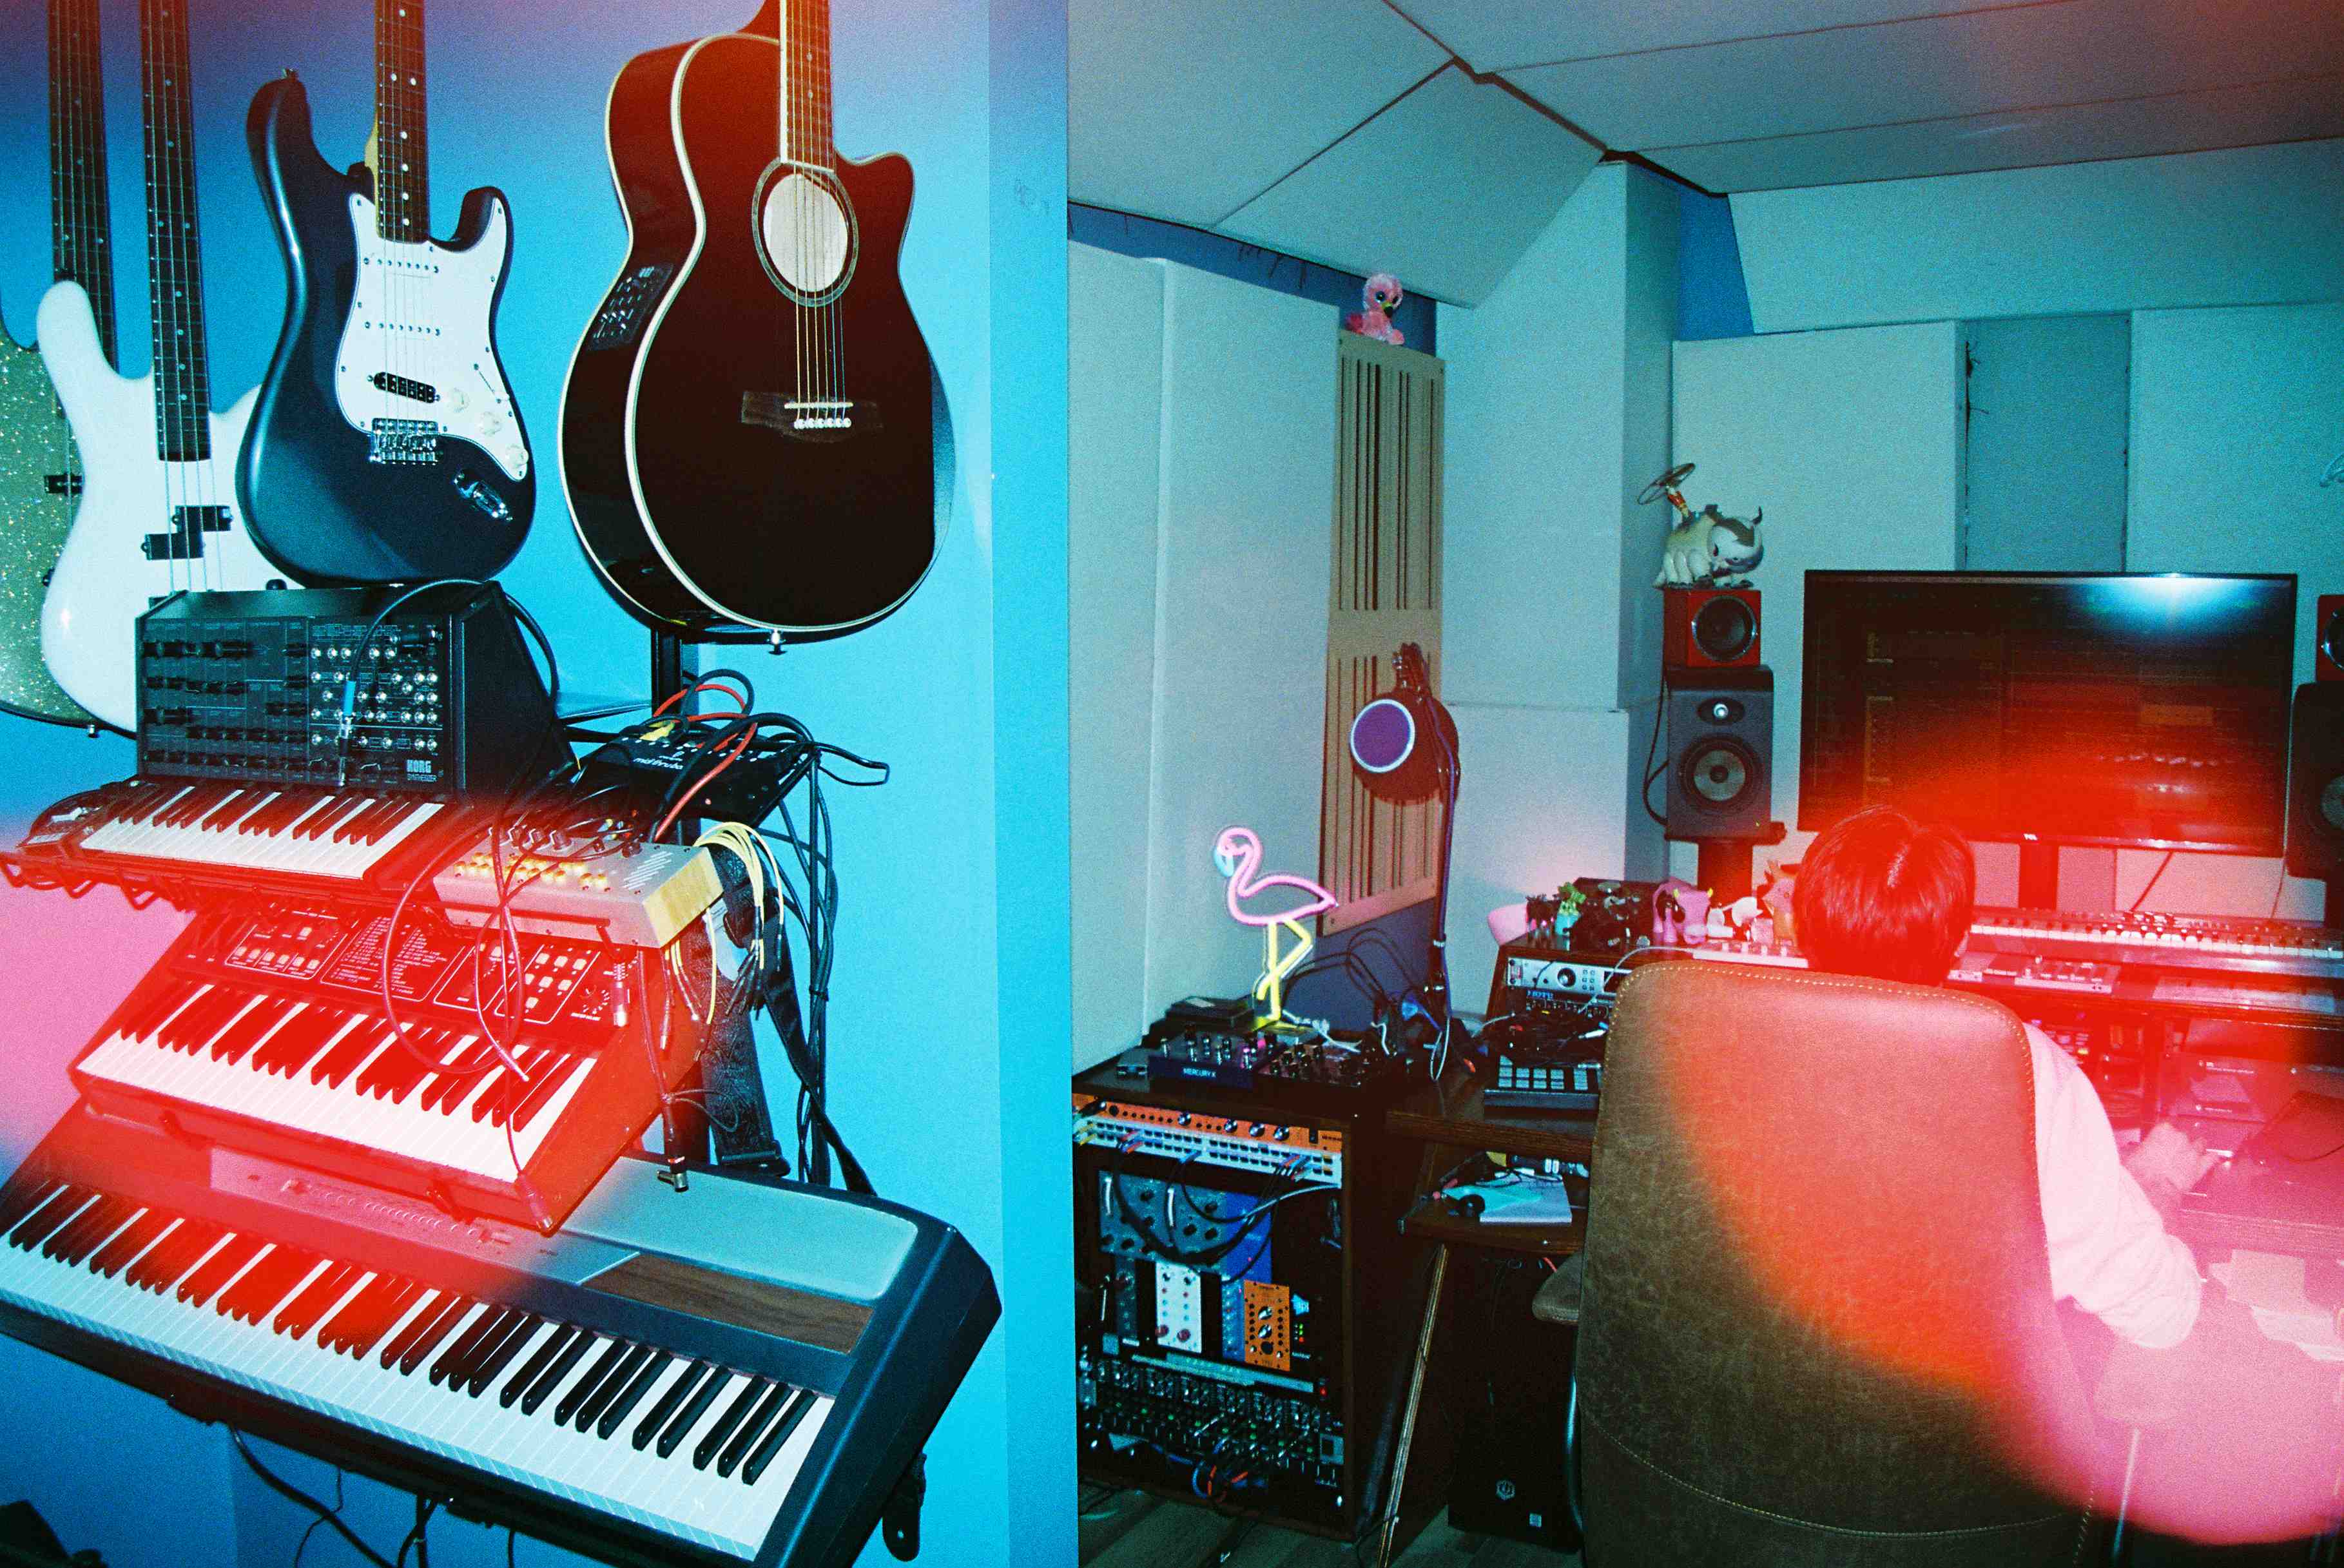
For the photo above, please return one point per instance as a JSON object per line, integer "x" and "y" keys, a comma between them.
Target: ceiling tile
{"x": 1186, "y": 110}
{"x": 1446, "y": 189}
{"x": 1972, "y": 63}
{"x": 2139, "y": 128}
{"x": 1504, "y": 37}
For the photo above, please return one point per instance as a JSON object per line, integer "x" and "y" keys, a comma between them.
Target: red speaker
{"x": 2328, "y": 638}
{"x": 1710, "y": 629}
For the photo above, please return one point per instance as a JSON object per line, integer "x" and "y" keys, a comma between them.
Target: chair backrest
{"x": 1818, "y": 1315}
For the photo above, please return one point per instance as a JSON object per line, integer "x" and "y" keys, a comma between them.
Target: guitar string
{"x": 152, "y": 16}
{"x": 790, "y": 212}
{"x": 193, "y": 403}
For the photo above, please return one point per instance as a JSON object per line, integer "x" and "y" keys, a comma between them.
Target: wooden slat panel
{"x": 1384, "y": 590}
{"x": 822, "y": 1321}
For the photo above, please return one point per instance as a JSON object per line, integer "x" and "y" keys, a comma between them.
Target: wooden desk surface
{"x": 1451, "y": 1112}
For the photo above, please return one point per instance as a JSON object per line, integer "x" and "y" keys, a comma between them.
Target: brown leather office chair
{"x": 1817, "y": 1326}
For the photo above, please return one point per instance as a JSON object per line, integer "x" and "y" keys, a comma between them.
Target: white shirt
{"x": 2110, "y": 1252}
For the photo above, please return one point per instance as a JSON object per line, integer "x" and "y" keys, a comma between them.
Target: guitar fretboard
{"x": 183, "y": 397}
{"x": 402, "y": 175}
{"x": 805, "y": 81}
{"x": 80, "y": 232}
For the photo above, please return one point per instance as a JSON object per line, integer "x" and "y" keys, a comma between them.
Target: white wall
{"x": 1558, "y": 415}
{"x": 2247, "y": 226}
{"x": 1115, "y": 389}
{"x": 2235, "y": 416}
{"x": 1203, "y": 465}
{"x": 1852, "y": 442}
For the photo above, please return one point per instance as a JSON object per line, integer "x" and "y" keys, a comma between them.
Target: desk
{"x": 1446, "y": 1117}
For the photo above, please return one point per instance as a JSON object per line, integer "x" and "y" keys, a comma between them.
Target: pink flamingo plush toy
{"x": 1238, "y": 854}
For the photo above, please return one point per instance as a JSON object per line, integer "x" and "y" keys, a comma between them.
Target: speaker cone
{"x": 2332, "y": 803}
{"x": 1717, "y": 773}
{"x": 2331, "y": 638}
{"x": 1723, "y": 629}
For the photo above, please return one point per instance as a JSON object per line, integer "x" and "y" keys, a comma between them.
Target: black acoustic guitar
{"x": 753, "y": 431}
{"x": 385, "y": 445}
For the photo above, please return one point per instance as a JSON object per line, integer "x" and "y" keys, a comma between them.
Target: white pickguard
{"x": 104, "y": 579}
{"x": 419, "y": 317}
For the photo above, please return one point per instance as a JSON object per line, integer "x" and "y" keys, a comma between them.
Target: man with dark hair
{"x": 1880, "y": 894}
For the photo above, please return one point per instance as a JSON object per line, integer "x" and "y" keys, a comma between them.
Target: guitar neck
{"x": 80, "y": 231}
{"x": 804, "y": 30}
{"x": 183, "y": 396}
{"x": 402, "y": 161}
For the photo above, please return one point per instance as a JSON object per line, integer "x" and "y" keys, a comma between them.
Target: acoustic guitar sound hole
{"x": 806, "y": 234}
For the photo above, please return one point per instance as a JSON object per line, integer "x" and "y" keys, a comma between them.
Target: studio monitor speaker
{"x": 1721, "y": 730}
{"x": 2315, "y": 781}
{"x": 1709, "y": 629}
{"x": 2328, "y": 638}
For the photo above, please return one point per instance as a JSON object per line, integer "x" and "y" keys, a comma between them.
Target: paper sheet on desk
{"x": 2270, "y": 1286}
{"x": 1526, "y": 1203}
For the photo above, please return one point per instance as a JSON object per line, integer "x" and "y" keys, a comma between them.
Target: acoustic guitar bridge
{"x": 809, "y": 419}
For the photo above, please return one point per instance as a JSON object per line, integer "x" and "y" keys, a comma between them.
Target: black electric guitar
{"x": 753, "y": 431}
{"x": 385, "y": 445}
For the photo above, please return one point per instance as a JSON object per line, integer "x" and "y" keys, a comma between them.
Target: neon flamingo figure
{"x": 1238, "y": 853}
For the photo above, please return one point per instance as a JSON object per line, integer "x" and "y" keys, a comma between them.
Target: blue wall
{"x": 949, "y": 1028}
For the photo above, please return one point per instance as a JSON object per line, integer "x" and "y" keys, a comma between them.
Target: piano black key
{"x": 367, "y": 827}
{"x": 551, "y": 1378}
{"x": 526, "y": 1379}
{"x": 498, "y": 1354}
{"x": 348, "y": 1052}
{"x": 356, "y": 1328}
{"x": 430, "y": 1312}
{"x": 548, "y": 1081}
{"x": 200, "y": 1019}
{"x": 793, "y": 1413}
{"x": 199, "y": 1287}
{"x": 233, "y": 804}
{"x": 199, "y": 799}
{"x": 351, "y": 828}
{"x": 267, "y": 816}
{"x": 604, "y": 1396}
{"x": 460, "y": 1349}
{"x": 657, "y": 1417}
{"x": 140, "y": 1023}
{"x": 174, "y": 1255}
{"x": 265, "y": 1285}
{"x": 70, "y": 1243}
{"x": 450, "y": 1087}
{"x": 22, "y": 1200}
{"x": 318, "y": 822}
{"x": 130, "y": 1243}
{"x": 729, "y": 1458}
{"x": 432, "y": 1047}
{"x": 396, "y": 1061}
{"x": 510, "y": 1090}
{"x": 285, "y": 1029}
{"x": 22, "y": 1192}
{"x": 297, "y": 1316}
{"x": 694, "y": 1407}
{"x": 38, "y": 1226}
{"x": 583, "y": 1389}
{"x": 428, "y": 1340}
{"x": 632, "y": 1395}
{"x": 708, "y": 1447}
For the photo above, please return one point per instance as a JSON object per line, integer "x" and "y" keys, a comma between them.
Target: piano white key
{"x": 608, "y": 1475}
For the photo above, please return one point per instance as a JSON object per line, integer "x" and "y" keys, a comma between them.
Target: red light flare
{"x": 1878, "y": 1250}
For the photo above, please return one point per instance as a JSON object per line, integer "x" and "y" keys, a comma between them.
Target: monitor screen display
{"x": 2146, "y": 710}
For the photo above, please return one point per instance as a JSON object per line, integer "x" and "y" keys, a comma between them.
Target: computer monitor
{"x": 2149, "y": 712}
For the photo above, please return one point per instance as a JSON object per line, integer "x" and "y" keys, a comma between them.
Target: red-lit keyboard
{"x": 501, "y": 1087}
